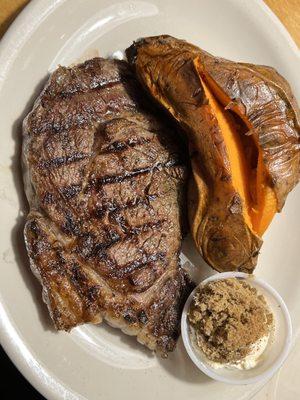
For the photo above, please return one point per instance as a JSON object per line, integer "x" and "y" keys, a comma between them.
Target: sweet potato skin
{"x": 258, "y": 93}
{"x": 165, "y": 67}
{"x": 263, "y": 97}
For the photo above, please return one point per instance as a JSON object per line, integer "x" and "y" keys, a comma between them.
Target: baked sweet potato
{"x": 243, "y": 126}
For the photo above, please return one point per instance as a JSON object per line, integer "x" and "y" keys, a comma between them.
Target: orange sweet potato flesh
{"x": 260, "y": 206}
{"x": 242, "y": 123}
{"x": 240, "y": 170}
{"x": 264, "y": 101}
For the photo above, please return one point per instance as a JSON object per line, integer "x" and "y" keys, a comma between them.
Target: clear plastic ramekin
{"x": 277, "y": 349}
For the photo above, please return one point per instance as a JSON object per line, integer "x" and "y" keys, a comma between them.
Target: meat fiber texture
{"x": 105, "y": 176}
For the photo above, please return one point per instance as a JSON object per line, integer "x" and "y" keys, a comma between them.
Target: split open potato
{"x": 242, "y": 122}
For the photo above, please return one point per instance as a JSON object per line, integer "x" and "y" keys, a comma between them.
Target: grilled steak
{"x": 104, "y": 179}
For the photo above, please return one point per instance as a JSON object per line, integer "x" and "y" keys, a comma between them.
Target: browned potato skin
{"x": 165, "y": 66}
{"x": 257, "y": 92}
{"x": 265, "y": 98}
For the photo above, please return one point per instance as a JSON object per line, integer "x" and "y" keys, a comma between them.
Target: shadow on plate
{"x": 193, "y": 262}
{"x": 129, "y": 341}
{"x": 17, "y": 237}
{"x": 177, "y": 364}
{"x": 180, "y": 366}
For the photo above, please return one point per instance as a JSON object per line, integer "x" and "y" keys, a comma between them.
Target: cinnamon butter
{"x": 231, "y": 323}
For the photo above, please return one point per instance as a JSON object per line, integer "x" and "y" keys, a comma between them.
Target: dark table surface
{"x": 13, "y": 385}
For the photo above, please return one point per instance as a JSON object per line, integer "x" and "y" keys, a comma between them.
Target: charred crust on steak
{"x": 105, "y": 179}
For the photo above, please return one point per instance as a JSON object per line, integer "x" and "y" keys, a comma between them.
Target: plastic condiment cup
{"x": 276, "y": 351}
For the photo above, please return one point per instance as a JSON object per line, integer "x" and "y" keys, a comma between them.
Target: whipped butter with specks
{"x": 250, "y": 361}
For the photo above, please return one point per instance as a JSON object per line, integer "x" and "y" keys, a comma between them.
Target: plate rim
{"x": 10, "y": 339}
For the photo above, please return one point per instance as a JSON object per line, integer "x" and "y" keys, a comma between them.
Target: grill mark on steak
{"x": 70, "y": 268}
{"x": 122, "y": 271}
{"x": 88, "y": 248}
{"x": 71, "y": 226}
{"x": 48, "y": 198}
{"x": 130, "y": 231}
{"x": 112, "y": 251}
{"x": 108, "y": 179}
{"x": 111, "y": 206}
{"x": 92, "y": 108}
{"x": 119, "y": 146}
{"x": 64, "y": 94}
{"x": 70, "y": 191}
{"x": 92, "y": 249}
{"x": 61, "y": 161}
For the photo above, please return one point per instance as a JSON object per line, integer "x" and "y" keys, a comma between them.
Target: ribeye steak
{"x": 105, "y": 178}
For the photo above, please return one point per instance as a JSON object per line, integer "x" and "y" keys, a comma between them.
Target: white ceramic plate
{"x": 97, "y": 362}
